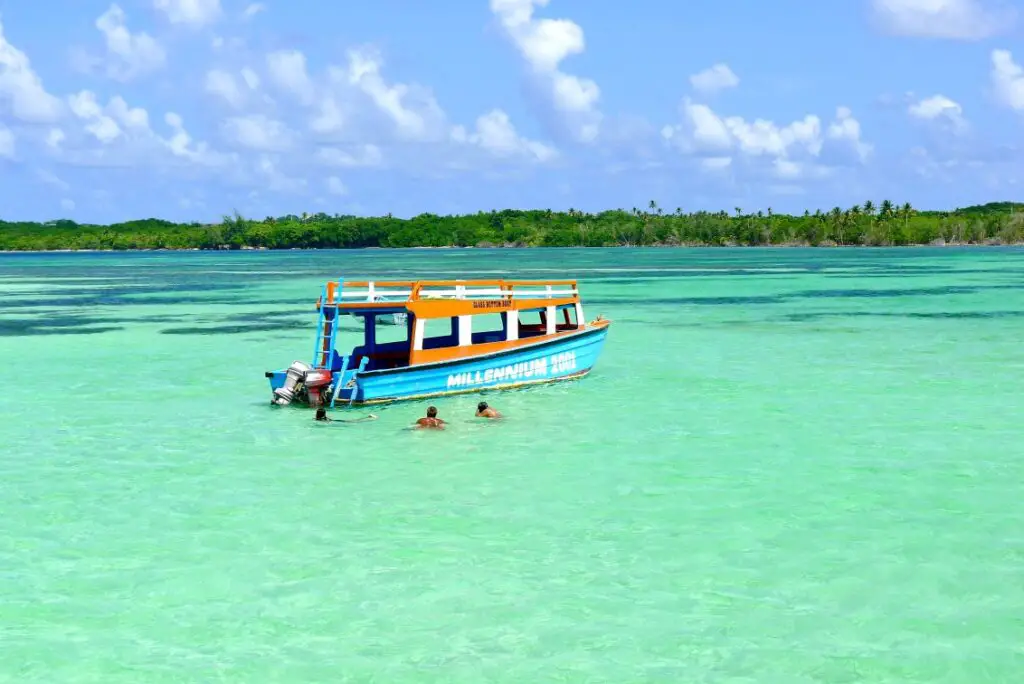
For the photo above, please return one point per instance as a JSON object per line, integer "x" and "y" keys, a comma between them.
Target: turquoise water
{"x": 788, "y": 466}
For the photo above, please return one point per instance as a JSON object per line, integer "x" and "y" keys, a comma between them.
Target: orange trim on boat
{"x": 447, "y": 308}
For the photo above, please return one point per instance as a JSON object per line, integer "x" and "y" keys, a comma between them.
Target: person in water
{"x": 485, "y": 411}
{"x": 431, "y": 421}
{"x": 321, "y": 415}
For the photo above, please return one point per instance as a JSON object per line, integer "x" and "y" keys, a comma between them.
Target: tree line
{"x": 868, "y": 224}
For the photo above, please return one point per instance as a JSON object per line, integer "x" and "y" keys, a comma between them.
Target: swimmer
{"x": 321, "y": 415}
{"x": 485, "y": 411}
{"x": 431, "y": 421}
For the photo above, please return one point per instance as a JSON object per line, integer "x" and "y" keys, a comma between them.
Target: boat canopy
{"x": 448, "y": 298}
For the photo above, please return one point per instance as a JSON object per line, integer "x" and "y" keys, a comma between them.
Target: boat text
{"x": 555, "y": 365}
{"x": 492, "y": 304}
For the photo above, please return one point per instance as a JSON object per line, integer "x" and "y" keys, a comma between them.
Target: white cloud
{"x": 253, "y": 9}
{"x": 846, "y": 129}
{"x": 51, "y": 179}
{"x": 276, "y": 180}
{"x": 1008, "y": 80}
{"x": 101, "y": 125}
{"x": 67, "y": 204}
{"x": 939, "y": 108}
{"x": 182, "y": 146}
{"x": 716, "y": 163}
{"x": 784, "y": 168}
{"x": 950, "y": 19}
{"x": 55, "y": 137}
{"x": 705, "y": 131}
{"x": 715, "y": 78}
{"x": 544, "y": 43}
{"x": 496, "y": 134}
{"x": 128, "y": 55}
{"x": 191, "y": 12}
{"x": 109, "y": 123}
{"x": 21, "y": 90}
{"x": 6, "y": 142}
{"x": 223, "y": 85}
{"x": 366, "y": 155}
{"x": 335, "y": 186}
{"x": 258, "y": 132}
{"x": 329, "y": 117}
{"x": 793, "y": 149}
{"x": 250, "y": 78}
{"x": 287, "y": 70}
{"x": 414, "y": 112}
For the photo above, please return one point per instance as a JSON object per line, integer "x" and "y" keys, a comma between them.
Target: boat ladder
{"x": 345, "y": 376}
{"x": 326, "y": 333}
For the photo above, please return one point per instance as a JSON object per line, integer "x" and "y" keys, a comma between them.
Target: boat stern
{"x": 299, "y": 383}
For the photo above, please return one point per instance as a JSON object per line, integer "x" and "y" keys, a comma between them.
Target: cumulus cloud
{"x": 791, "y": 148}
{"x": 21, "y": 90}
{"x": 253, "y": 9}
{"x": 190, "y": 12}
{"x": 939, "y": 108}
{"x": 335, "y": 186}
{"x": 846, "y": 129}
{"x": 949, "y": 19}
{"x": 287, "y": 70}
{"x": 363, "y": 156}
{"x": 495, "y": 133}
{"x": 1008, "y": 80}
{"x": 55, "y": 137}
{"x": 544, "y": 44}
{"x": 258, "y": 132}
{"x": 106, "y": 124}
{"x": 715, "y": 78}
{"x": 222, "y": 84}
{"x": 182, "y": 146}
{"x": 415, "y": 113}
{"x": 128, "y": 54}
{"x": 234, "y": 90}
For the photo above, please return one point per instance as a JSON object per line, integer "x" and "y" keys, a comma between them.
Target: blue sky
{"x": 190, "y": 109}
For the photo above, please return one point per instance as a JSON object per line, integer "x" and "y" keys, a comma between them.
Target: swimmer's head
{"x": 432, "y": 412}
{"x": 481, "y": 407}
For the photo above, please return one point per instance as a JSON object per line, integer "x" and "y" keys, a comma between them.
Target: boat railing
{"x": 398, "y": 292}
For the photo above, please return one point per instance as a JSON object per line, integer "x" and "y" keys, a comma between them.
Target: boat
{"x": 459, "y": 336}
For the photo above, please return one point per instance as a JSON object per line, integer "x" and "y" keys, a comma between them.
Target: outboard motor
{"x": 296, "y": 373}
{"x": 316, "y": 382}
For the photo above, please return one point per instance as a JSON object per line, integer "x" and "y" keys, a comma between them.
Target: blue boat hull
{"x": 550, "y": 360}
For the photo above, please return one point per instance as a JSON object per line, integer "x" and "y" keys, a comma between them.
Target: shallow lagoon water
{"x": 788, "y": 466}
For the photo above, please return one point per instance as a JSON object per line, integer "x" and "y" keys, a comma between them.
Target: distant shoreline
{"x": 931, "y": 245}
{"x": 882, "y": 225}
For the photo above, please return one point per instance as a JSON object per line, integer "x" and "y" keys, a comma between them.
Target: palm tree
{"x": 869, "y": 208}
{"x": 906, "y": 211}
{"x": 887, "y": 210}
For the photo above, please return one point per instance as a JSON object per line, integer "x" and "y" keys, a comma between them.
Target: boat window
{"x": 440, "y": 332}
{"x": 531, "y": 323}
{"x": 488, "y": 328}
{"x": 530, "y": 317}
{"x": 568, "y": 317}
{"x": 388, "y": 328}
